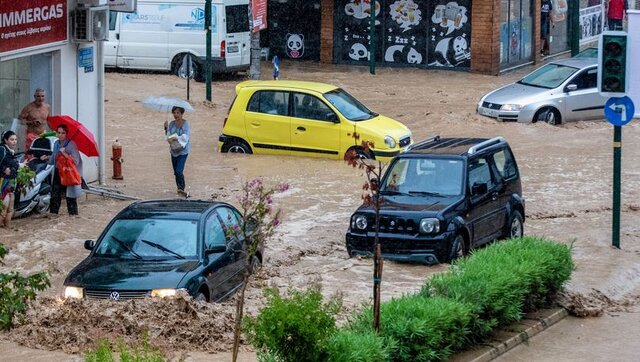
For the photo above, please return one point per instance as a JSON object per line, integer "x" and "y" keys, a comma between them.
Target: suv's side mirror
{"x": 214, "y": 249}
{"x": 89, "y": 244}
{"x": 572, "y": 87}
{"x": 332, "y": 117}
{"x": 479, "y": 188}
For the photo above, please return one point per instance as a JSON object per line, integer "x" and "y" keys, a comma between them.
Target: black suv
{"x": 441, "y": 198}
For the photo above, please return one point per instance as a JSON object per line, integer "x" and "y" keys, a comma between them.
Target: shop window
{"x": 516, "y": 32}
{"x": 559, "y": 40}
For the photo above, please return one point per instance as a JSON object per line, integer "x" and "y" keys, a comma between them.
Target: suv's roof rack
{"x": 424, "y": 142}
{"x": 485, "y": 144}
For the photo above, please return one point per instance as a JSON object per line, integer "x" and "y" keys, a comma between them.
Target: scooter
{"x": 37, "y": 196}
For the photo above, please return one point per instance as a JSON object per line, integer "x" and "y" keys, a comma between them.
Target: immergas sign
{"x": 125, "y": 6}
{"x": 30, "y": 23}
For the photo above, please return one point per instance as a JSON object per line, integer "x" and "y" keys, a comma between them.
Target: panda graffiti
{"x": 358, "y": 52}
{"x": 451, "y": 52}
{"x": 295, "y": 45}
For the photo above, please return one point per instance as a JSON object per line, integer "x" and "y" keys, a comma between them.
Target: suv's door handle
{"x": 494, "y": 196}
{"x": 300, "y": 128}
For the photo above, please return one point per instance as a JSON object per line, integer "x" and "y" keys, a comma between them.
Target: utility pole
{"x": 207, "y": 65}
{"x": 372, "y": 41}
{"x": 254, "y": 68}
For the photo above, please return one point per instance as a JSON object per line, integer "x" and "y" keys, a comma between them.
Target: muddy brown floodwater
{"x": 566, "y": 177}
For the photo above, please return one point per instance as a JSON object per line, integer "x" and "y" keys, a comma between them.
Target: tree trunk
{"x": 254, "y": 70}
{"x": 237, "y": 331}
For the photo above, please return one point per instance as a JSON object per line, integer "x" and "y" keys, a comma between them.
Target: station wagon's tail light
{"x": 223, "y": 49}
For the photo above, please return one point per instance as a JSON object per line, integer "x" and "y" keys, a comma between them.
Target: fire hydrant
{"x": 116, "y": 152}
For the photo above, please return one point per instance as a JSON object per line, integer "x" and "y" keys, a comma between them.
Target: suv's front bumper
{"x": 423, "y": 249}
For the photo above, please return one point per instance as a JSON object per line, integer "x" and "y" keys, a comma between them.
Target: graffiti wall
{"x": 428, "y": 33}
{"x": 294, "y": 29}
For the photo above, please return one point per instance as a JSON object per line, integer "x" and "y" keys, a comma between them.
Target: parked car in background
{"x": 560, "y": 91}
{"x": 307, "y": 119}
{"x": 440, "y": 199}
{"x": 156, "y": 248}
{"x": 160, "y": 34}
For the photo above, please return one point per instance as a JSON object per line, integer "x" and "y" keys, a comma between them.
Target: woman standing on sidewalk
{"x": 69, "y": 148}
{"x": 8, "y": 173}
{"x": 178, "y": 132}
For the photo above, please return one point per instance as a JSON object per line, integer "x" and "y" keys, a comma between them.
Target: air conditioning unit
{"x": 91, "y": 24}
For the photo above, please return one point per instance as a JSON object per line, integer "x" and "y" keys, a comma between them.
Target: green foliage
{"x": 24, "y": 178}
{"x": 418, "y": 328}
{"x": 505, "y": 280}
{"x": 293, "y": 328}
{"x": 16, "y": 291}
{"x": 363, "y": 346}
{"x": 143, "y": 352}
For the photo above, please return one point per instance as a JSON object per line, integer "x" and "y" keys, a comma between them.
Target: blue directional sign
{"x": 619, "y": 110}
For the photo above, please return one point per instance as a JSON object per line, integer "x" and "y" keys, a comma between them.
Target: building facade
{"x": 37, "y": 50}
{"x": 487, "y": 36}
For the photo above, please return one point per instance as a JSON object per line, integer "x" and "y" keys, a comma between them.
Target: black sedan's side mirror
{"x": 479, "y": 188}
{"x": 214, "y": 249}
{"x": 572, "y": 87}
{"x": 89, "y": 244}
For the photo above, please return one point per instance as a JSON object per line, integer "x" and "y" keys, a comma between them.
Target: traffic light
{"x": 612, "y": 64}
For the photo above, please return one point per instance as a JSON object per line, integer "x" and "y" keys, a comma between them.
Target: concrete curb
{"x": 495, "y": 349}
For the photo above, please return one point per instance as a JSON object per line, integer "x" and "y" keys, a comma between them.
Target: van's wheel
{"x": 198, "y": 68}
{"x": 236, "y": 146}
{"x": 548, "y": 115}
{"x": 515, "y": 227}
{"x": 458, "y": 249}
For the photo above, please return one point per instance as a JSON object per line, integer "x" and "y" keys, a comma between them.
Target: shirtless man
{"x": 34, "y": 116}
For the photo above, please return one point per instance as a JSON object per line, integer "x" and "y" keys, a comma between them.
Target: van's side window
{"x": 269, "y": 102}
{"x": 113, "y": 17}
{"x": 505, "y": 164}
{"x": 237, "y": 18}
{"x": 309, "y": 107}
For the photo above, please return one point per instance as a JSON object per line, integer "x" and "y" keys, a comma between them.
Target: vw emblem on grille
{"x": 114, "y": 296}
{"x": 392, "y": 223}
{"x": 490, "y": 105}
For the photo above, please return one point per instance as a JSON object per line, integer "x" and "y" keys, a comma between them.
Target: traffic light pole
{"x": 617, "y": 156}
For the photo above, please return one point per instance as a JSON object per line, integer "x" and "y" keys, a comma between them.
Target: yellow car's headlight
{"x": 163, "y": 293}
{"x": 389, "y": 141}
{"x": 73, "y": 292}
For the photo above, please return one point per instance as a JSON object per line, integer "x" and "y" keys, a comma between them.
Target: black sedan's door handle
{"x": 300, "y": 128}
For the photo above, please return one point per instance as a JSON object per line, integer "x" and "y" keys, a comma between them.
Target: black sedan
{"x": 157, "y": 248}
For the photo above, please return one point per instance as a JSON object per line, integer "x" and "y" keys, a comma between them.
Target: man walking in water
{"x": 34, "y": 116}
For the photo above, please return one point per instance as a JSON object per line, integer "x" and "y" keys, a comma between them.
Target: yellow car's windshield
{"x": 348, "y": 106}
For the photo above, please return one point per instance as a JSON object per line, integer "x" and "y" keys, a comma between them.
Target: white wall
{"x": 633, "y": 42}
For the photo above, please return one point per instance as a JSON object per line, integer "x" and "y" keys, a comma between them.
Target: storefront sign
{"x": 29, "y": 23}
{"x": 259, "y": 11}
{"x": 85, "y": 59}
{"x": 125, "y": 6}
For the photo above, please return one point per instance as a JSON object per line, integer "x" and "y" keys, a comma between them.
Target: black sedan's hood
{"x": 131, "y": 274}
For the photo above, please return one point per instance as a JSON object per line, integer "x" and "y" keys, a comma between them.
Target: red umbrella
{"x": 77, "y": 132}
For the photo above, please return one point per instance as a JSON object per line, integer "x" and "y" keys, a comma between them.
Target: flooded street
{"x": 566, "y": 179}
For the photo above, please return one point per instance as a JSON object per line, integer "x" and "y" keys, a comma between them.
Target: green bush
{"x": 16, "y": 291}
{"x": 293, "y": 328}
{"x": 416, "y": 328}
{"x": 144, "y": 352}
{"x": 504, "y": 280}
{"x": 362, "y": 346}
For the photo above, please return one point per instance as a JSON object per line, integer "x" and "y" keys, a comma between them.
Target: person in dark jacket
{"x": 8, "y": 173}
{"x": 545, "y": 24}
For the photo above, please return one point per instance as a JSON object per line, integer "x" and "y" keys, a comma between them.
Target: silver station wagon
{"x": 560, "y": 91}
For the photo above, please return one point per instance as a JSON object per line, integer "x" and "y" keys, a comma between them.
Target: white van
{"x": 160, "y": 33}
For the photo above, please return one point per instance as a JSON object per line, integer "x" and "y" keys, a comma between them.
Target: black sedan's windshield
{"x": 348, "y": 106}
{"x": 424, "y": 177}
{"x": 550, "y": 76}
{"x": 150, "y": 239}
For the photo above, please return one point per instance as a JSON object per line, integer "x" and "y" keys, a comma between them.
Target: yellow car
{"x": 307, "y": 119}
